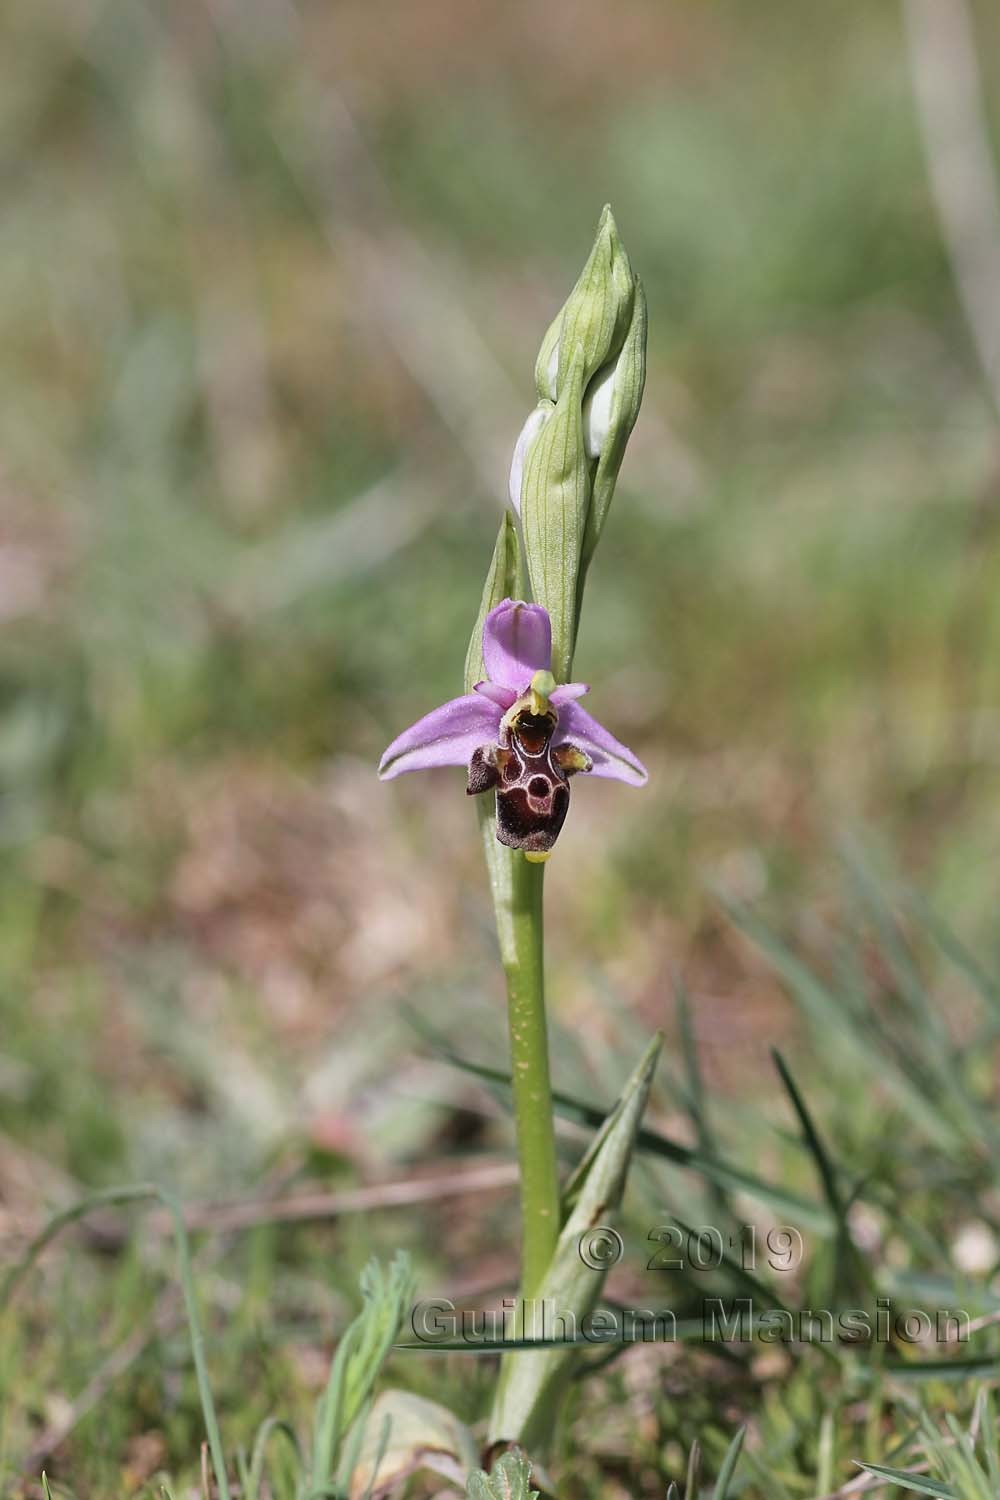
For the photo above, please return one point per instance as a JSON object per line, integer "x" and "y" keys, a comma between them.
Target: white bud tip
{"x": 597, "y": 411}
{"x": 532, "y": 427}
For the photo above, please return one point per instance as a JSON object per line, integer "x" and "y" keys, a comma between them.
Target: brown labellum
{"x": 530, "y": 776}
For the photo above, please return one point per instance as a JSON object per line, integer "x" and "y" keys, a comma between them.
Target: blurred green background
{"x": 272, "y": 280}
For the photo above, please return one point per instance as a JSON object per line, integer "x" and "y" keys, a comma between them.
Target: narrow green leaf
{"x": 852, "y": 1277}
{"x": 530, "y": 1382}
{"x": 579, "y": 1177}
{"x": 824, "y": 1165}
{"x": 921, "y": 1483}
{"x": 271, "y": 1427}
{"x": 693, "y": 1471}
{"x": 825, "y": 1455}
{"x": 784, "y": 1201}
{"x": 725, "y": 1478}
{"x": 840, "y": 1025}
{"x": 695, "y": 1098}
{"x": 991, "y": 1442}
{"x": 957, "y": 953}
{"x": 387, "y": 1298}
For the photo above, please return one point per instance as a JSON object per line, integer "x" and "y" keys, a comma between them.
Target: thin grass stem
{"x": 134, "y": 1193}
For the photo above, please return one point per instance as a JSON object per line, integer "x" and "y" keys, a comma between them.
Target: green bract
{"x": 505, "y": 580}
{"x": 530, "y": 1382}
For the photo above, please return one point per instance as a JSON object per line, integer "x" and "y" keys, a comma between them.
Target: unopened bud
{"x": 594, "y": 316}
{"x": 597, "y": 410}
{"x": 613, "y": 405}
{"x": 529, "y": 432}
{"x": 589, "y": 376}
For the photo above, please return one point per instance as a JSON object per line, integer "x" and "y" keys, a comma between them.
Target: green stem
{"x": 522, "y": 945}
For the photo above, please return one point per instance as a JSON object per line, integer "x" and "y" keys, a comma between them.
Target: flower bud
{"x": 589, "y": 375}
{"x": 547, "y": 363}
{"x": 555, "y": 498}
{"x": 597, "y": 410}
{"x": 595, "y": 315}
{"x": 613, "y": 409}
{"x": 529, "y": 432}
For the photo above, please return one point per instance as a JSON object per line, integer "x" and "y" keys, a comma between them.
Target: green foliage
{"x": 919, "y": 1483}
{"x": 728, "y": 1469}
{"x": 531, "y": 1381}
{"x": 359, "y": 1359}
{"x": 964, "y": 1464}
{"x": 507, "y": 1480}
{"x": 185, "y": 1275}
{"x": 363, "y": 1349}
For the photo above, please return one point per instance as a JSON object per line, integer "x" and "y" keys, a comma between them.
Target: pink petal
{"x": 445, "y": 737}
{"x": 496, "y": 694}
{"x": 517, "y": 643}
{"x": 567, "y": 691}
{"x": 611, "y": 758}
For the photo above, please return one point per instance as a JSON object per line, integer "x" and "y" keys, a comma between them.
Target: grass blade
{"x": 783, "y": 1200}
{"x": 138, "y": 1193}
{"x": 921, "y": 1483}
{"x": 729, "y": 1466}
{"x": 852, "y": 1277}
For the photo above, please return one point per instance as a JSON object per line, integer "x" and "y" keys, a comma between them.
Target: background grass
{"x": 272, "y": 279}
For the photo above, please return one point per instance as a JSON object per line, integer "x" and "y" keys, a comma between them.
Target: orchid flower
{"x": 520, "y": 732}
{"x": 517, "y": 733}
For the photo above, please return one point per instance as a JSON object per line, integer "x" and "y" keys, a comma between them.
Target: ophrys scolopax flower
{"x": 518, "y": 733}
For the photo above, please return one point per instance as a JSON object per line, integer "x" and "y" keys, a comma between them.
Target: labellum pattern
{"x": 517, "y": 733}
{"x": 530, "y": 775}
